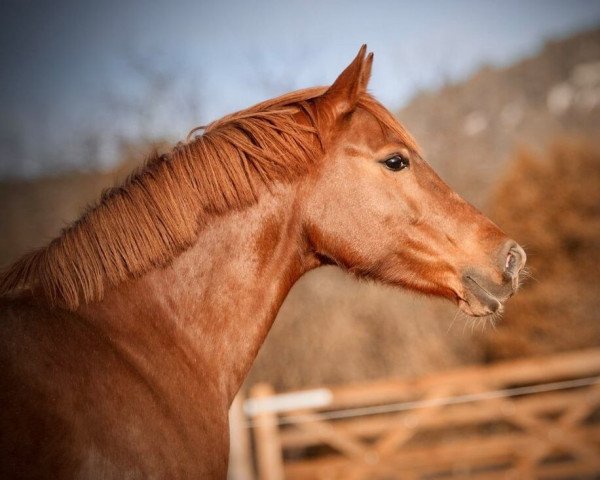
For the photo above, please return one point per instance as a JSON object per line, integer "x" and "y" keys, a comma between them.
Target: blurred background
{"x": 503, "y": 97}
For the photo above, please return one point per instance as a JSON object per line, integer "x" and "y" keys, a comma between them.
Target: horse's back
{"x": 72, "y": 407}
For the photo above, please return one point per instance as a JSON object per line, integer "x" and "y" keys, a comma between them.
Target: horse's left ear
{"x": 343, "y": 95}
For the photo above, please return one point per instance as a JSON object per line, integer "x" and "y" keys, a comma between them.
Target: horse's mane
{"x": 158, "y": 211}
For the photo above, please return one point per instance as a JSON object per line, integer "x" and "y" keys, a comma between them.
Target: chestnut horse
{"x": 125, "y": 339}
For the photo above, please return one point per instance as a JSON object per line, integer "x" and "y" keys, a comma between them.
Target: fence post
{"x": 240, "y": 457}
{"x": 266, "y": 436}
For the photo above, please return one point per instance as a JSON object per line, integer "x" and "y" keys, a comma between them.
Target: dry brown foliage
{"x": 551, "y": 204}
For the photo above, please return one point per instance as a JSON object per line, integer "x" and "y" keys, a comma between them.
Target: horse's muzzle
{"x": 483, "y": 296}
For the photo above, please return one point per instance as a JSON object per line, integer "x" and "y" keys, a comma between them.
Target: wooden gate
{"x": 534, "y": 418}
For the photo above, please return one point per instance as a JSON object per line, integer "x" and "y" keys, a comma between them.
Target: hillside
{"x": 469, "y": 130}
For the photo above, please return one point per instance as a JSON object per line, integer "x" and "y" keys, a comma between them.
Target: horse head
{"x": 375, "y": 207}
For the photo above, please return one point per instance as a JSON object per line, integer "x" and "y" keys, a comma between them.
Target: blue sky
{"x": 79, "y": 71}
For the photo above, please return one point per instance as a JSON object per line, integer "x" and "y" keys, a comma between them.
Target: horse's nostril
{"x": 510, "y": 261}
{"x": 514, "y": 262}
{"x": 515, "y": 259}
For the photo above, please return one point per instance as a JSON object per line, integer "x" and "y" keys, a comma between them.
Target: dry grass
{"x": 334, "y": 329}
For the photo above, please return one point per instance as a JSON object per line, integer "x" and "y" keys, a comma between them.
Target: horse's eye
{"x": 396, "y": 163}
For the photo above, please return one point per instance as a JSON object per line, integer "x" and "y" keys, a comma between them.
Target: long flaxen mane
{"x": 158, "y": 211}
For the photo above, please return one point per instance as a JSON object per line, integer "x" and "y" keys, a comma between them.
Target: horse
{"x": 125, "y": 339}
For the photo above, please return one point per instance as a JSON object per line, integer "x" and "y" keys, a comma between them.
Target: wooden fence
{"x": 533, "y": 418}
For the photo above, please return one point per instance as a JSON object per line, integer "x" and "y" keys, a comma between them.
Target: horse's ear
{"x": 343, "y": 95}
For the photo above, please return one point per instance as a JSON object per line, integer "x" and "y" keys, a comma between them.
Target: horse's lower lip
{"x": 476, "y": 310}
{"x": 487, "y": 302}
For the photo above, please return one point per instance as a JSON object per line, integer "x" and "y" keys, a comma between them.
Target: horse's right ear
{"x": 343, "y": 95}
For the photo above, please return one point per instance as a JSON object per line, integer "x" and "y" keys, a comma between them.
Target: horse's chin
{"x": 477, "y": 309}
{"x": 481, "y": 297}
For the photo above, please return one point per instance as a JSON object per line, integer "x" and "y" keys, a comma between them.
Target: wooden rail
{"x": 533, "y": 418}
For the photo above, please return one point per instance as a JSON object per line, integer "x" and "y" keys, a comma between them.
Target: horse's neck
{"x": 212, "y": 308}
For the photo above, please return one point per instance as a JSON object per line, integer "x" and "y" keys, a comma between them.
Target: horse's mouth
{"x": 478, "y": 301}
